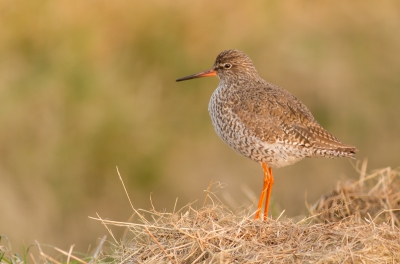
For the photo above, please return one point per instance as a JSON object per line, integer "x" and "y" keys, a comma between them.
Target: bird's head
{"x": 228, "y": 64}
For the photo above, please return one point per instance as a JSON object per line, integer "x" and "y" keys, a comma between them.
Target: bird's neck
{"x": 237, "y": 81}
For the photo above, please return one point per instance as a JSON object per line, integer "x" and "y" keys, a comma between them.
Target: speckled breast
{"x": 234, "y": 133}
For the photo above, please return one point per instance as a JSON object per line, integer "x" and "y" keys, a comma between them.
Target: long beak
{"x": 210, "y": 72}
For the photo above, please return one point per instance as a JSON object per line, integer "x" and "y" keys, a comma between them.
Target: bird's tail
{"x": 336, "y": 150}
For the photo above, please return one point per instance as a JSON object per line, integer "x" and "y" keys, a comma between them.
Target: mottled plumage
{"x": 263, "y": 121}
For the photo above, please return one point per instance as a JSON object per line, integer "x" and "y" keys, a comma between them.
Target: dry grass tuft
{"x": 357, "y": 223}
{"x": 375, "y": 197}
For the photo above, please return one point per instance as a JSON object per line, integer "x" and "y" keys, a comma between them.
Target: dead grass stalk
{"x": 358, "y": 222}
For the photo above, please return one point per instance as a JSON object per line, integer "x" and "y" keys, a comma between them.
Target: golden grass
{"x": 375, "y": 197}
{"x": 357, "y": 223}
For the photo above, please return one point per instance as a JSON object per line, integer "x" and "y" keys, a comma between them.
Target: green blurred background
{"x": 86, "y": 86}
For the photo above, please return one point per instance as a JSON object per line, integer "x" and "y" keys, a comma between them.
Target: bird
{"x": 263, "y": 121}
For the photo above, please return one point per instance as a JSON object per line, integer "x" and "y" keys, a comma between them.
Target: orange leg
{"x": 265, "y": 188}
{"x": 269, "y": 190}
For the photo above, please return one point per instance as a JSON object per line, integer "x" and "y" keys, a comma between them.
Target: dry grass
{"x": 357, "y": 223}
{"x": 375, "y": 197}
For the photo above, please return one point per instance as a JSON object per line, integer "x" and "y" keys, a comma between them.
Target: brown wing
{"x": 275, "y": 115}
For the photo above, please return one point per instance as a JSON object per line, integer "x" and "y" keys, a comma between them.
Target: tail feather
{"x": 341, "y": 150}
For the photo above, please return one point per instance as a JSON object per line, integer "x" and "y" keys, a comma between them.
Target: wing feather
{"x": 274, "y": 115}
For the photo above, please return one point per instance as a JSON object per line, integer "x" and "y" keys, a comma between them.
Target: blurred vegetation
{"x": 86, "y": 86}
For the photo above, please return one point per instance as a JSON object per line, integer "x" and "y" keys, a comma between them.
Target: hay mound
{"x": 214, "y": 234}
{"x": 375, "y": 197}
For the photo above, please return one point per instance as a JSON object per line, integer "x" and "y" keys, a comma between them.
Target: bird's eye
{"x": 227, "y": 65}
